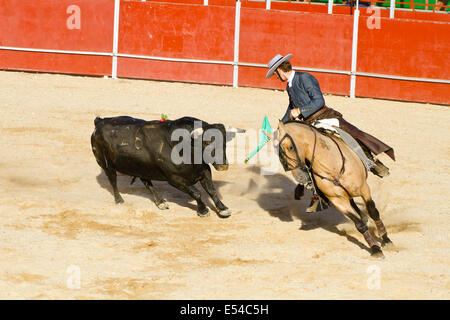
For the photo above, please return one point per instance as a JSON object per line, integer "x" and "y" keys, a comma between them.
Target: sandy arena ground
{"x": 58, "y": 215}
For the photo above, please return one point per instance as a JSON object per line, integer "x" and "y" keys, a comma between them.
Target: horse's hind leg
{"x": 375, "y": 215}
{"x": 344, "y": 205}
{"x": 361, "y": 214}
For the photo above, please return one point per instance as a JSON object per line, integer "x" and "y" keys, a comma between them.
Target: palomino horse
{"x": 338, "y": 172}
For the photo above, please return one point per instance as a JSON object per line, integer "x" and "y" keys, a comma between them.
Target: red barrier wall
{"x": 329, "y": 83}
{"x": 404, "y": 48}
{"x": 177, "y": 31}
{"x": 43, "y": 25}
{"x": 175, "y": 71}
{"x": 321, "y": 8}
{"x": 55, "y": 63}
{"x": 403, "y": 90}
{"x": 193, "y": 31}
{"x": 316, "y": 41}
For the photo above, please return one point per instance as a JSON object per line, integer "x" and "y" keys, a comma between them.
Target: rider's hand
{"x": 295, "y": 113}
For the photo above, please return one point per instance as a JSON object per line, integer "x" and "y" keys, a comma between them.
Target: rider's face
{"x": 281, "y": 75}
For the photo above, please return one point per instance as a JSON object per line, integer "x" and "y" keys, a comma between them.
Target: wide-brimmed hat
{"x": 275, "y": 63}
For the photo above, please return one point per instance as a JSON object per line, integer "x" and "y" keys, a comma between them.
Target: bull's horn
{"x": 231, "y": 133}
{"x": 196, "y": 133}
{"x": 235, "y": 130}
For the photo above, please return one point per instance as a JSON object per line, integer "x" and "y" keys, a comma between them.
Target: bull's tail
{"x": 97, "y": 120}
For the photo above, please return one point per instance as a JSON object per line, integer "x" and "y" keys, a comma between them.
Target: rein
{"x": 336, "y": 181}
{"x": 283, "y": 156}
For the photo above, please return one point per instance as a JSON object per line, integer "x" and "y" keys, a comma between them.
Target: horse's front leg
{"x": 343, "y": 205}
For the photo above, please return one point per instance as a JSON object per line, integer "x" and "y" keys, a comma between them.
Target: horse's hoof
{"x": 204, "y": 213}
{"x": 224, "y": 213}
{"x": 377, "y": 256}
{"x": 163, "y": 206}
{"x": 376, "y": 253}
{"x": 389, "y": 245}
{"x": 385, "y": 240}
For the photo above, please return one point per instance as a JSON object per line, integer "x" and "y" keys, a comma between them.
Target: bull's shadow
{"x": 276, "y": 197}
{"x": 168, "y": 192}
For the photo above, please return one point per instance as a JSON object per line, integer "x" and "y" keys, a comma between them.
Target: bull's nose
{"x": 222, "y": 167}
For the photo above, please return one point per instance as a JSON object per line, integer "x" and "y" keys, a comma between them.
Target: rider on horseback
{"x": 306, "y": 103}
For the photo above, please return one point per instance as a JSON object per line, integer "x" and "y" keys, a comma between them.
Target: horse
{"x": 338, "y": 172}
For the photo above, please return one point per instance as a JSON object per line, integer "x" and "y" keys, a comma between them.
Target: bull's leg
{"x": 343, "y": 205}
{"x": 202, "y": 210}
{"x": 375, "y": 215}
{"x": 160, "y": 203}
{"x": 112, "y": 177}
{"x": 207, "y": 184}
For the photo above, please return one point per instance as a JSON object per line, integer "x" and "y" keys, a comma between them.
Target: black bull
{"x": 143, "y": 149}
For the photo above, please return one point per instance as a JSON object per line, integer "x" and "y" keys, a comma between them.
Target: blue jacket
{"x": 304, "y": 93}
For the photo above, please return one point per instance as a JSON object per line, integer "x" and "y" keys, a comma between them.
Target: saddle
{"x": 371, "y": 143}
{"x": 361, "y": 150}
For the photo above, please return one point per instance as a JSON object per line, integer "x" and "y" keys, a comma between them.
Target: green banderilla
{"x": 263, "y": 139}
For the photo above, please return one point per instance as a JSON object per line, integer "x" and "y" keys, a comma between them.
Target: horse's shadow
{"x": 278, "y": 200}
{"x": 168, "y": 192}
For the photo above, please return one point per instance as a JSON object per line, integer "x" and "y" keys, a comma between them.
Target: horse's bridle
{"x": 288, "y": 167}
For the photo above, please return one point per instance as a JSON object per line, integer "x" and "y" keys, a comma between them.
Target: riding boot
{"x": 379, "y": 169}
